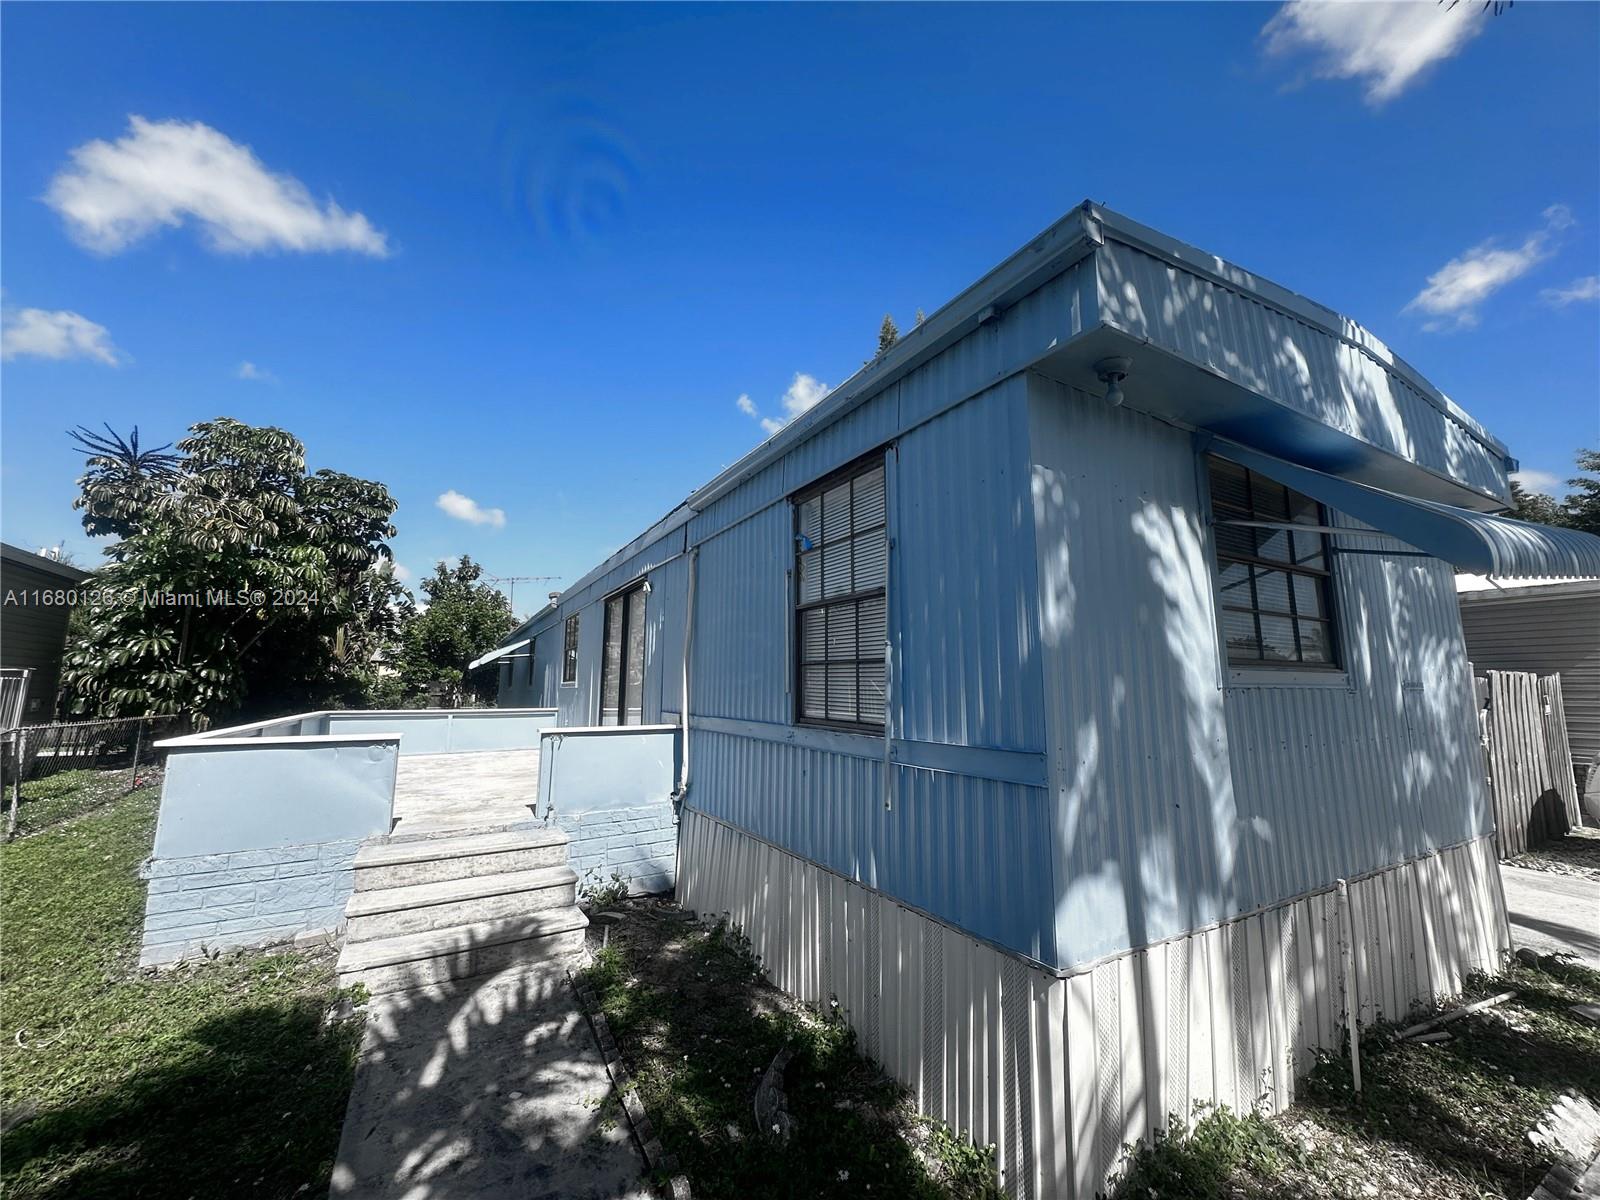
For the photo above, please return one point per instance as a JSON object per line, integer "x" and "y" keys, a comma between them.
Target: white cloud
{"x": 249, "y": 370}
{"x": 161, "y": 173}
{"x": 1387, "y": 46}
{"x": 465, "y": 508}
{"x": 37, "y": 333}
{"x": 1577, "y": 292}
{"x": 401, "y": 572}
{"x": 805, "y": 393}
{"x": 1537, "y": 481}
{"x": 1456, "y": 289}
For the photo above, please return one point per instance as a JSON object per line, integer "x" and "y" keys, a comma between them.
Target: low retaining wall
{"x": 247, "y": 898}
{"x": 609, "y": 788}
{"x": 1061, "y": 1072}
{"x": 640, "y": 844}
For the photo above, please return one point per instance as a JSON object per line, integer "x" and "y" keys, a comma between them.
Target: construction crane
{"x": 511, "y": 582}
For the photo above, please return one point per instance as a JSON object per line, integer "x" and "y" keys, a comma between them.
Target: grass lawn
{"x": 1448, "y": 1121}
{"x": 697, "y": 1026}
{"x": 219, "y": 1079}
{"x": 68, "y": 794}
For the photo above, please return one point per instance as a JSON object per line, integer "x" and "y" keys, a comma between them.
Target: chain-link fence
{"x": 124, "y": 744}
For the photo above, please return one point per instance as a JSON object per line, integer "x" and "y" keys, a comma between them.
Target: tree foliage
{"x": 888, "y": 334}
{"x": 464, "y": 616}
{"x": 1581, "y": 510}
{"x": 1533, "y": 506}
{"x": 239, "y": 583}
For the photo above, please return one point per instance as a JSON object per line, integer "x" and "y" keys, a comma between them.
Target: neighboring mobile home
{"x": 38, "y": 594}
{"x": 1549, "y": 627}
{"x": 1042, "y": 688}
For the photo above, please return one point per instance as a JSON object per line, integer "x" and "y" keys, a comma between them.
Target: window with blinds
{"x": 569, "y": 651}
{"x": 841, "y": 614}
{"x": 1276, "y": 586}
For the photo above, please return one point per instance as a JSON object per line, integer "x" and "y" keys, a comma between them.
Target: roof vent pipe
{"x": 1111, "y": 372}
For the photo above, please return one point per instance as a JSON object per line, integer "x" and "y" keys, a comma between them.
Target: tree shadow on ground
{"x": 253, "y": 1098}
{"x": 489, "y": 1085}
{"x": 1467, "y": 1105}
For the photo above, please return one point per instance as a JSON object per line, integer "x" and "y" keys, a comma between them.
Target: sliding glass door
{"x": 622, "y": 663}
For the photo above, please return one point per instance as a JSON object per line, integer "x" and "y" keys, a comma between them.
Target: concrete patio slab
{"x": 483, "y": 789}
{"x": 491, "y": 1090}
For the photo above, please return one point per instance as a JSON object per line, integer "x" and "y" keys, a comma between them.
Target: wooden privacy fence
{"x": 1523, "y": 724}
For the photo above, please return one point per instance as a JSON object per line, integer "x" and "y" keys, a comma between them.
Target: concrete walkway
{"x": 486, "y": 1088}
{"x": 1553, "y": 914}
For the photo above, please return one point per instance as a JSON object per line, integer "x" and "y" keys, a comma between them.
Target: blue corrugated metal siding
{"x": 973, "y": 851}
{"x": 965, "y": 590}
{"x": 741, "y": 641}
{"x": 966, "y": 850}
{"x": 1345, "y": 780}
{"x": 1145, "y": 831}
{"x": 1308, "y": 369}
{"x": 1184, "y": 800}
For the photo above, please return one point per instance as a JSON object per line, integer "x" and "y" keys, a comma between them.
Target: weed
{"x": 599, "y": 894}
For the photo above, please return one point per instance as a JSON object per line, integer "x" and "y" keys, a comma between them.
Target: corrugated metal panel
{"x": 741, "y": 640}
{"x": 1182, "y": 800}
{"x": 1059, "y": 1074}
{"x": 1146, "y": 831}
{"x": 971, "y": 850}
{"x": 1339, "y": 780}
{"x": 1036, "y": 324}
{"x": 1547, "y": 631}
{"x": 965, "y": 595}
{"x": 1304, "y": 367}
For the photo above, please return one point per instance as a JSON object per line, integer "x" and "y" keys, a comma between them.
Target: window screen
{"x": 569, "y": 651}
{"x": 841, "y": 573}
{"x": 1275, "y": 582}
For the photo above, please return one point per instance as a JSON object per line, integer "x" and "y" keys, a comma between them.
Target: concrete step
{"x": 433, "y": 860}
{"x": 387, "y": 912}
{"x": 437, "y": 956}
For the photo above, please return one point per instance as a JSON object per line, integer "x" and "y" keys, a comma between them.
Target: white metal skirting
{"x": 1061, "y": 1073}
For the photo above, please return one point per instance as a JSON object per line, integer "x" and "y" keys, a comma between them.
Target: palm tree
{"x": 121, "y": 481}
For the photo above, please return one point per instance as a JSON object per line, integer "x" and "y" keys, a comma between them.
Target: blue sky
{"x": 529, "y": 258}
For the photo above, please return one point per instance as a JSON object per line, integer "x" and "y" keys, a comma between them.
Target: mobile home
{"x": 1078, "y": 695}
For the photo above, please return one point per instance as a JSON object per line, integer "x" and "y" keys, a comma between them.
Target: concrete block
{"x": 233, "y": 893}
{"x": 172, "y": 902}
{"x": 166, "y": 923}
{"x": 272, "y": 856}
{"x": 339, "y": 855}
{"x": 232, "y": 875}
{"x": 198, "y": 864}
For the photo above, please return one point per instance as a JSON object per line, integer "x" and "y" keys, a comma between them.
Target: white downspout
{"x": 688, "y": 650}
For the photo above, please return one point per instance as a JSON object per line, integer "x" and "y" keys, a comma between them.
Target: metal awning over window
{"x": 499, "y": 652}
{"x": 1473, "y": 541}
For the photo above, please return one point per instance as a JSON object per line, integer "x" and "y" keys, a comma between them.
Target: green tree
{"x": 464, "y": 617}
{"x": 888, "y": 334}
{"x": 239, "y": 584}
{"x": 121, "y": 482}
{"x": 1581, "y": 509}
{"x": 1534, "y": 506}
